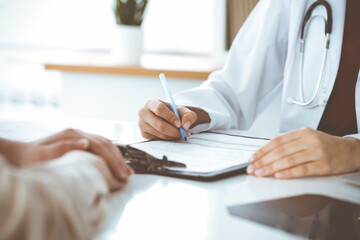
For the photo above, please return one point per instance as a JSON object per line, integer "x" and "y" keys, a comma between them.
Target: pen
{"x": 172, "y": 103}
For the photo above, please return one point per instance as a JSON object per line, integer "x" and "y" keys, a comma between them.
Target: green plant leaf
{"x": 130, "y": 12}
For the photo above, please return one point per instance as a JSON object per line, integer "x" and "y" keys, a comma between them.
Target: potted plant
{"x": 128, "y": 44}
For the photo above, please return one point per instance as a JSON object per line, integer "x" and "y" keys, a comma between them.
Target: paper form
{"x": 205, "y": 152}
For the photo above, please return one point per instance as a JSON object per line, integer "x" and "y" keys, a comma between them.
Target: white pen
{"x": 172, "y": 103}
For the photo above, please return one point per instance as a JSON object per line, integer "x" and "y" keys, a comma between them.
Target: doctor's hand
{"x": 306, "y": 152}
{"x": 157, "y": 121}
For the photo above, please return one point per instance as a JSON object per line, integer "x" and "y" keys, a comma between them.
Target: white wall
{"x": 111, "y": 96}
{"x": 120, "y": 98}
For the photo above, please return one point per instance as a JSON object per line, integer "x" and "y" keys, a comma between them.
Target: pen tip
{"x": 185, "y": 138}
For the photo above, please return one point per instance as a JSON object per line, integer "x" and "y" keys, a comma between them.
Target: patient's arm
{"x": 54, "y": 146}
{"x": 60, "y": 199}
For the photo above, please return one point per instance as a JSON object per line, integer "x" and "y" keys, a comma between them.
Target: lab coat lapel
{"x": 333, "y": 61}
{"x": 357, "y": 101}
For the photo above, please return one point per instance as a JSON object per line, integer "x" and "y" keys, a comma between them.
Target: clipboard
{"x": 143, "y": 162}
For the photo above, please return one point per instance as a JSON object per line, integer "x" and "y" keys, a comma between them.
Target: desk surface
{"x": 154, "y": 207}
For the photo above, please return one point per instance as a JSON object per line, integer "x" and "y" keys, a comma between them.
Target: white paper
{"x": 205, "y": 152}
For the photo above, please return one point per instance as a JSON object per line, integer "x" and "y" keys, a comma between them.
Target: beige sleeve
{"x": 62, "y": 199}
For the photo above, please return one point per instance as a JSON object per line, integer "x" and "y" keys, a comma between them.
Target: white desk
{"x": 154, "y": 207}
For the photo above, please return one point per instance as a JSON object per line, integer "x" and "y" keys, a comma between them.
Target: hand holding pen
{"x": 158, "y": 121}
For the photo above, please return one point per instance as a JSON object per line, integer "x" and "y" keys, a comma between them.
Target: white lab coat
{"x": 264, "y": 62}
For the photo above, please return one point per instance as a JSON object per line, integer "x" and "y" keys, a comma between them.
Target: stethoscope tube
{"x": 328, "y": 23}
{"x": 304, "y": 30}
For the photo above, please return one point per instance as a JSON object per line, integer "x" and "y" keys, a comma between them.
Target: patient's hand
{"x": 99, "y": 163}
{"x": 306, "y": 152}
{"x": 25, "y": 153}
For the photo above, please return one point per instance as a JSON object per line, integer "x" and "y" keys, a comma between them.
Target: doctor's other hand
{"x": 306, "y": 152}
{"x": 157, "y": 121}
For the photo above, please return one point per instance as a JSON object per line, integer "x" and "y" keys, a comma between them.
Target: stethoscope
{"x": 328, "y": 27}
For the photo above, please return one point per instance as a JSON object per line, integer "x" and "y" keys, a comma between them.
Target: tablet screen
{"x": 310, "y": 216}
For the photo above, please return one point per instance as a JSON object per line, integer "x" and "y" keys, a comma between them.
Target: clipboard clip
{"x": 141, "y": 161}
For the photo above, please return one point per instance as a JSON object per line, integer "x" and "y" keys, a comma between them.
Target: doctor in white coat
{"x": 265, "y": 61}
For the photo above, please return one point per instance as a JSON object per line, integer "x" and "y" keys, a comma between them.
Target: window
{"x": 171, "y": 26}
{"x": 184, "y": 26}
{"x": 188, "y": 27}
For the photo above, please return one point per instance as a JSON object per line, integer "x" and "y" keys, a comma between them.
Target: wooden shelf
{"x": 195, "y": 68}
{"x": 129, "y": 70}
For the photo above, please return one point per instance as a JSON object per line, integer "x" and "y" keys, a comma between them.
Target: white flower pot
{"x": 128, "y": 45}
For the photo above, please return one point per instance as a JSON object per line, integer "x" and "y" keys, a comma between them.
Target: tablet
{"x": 310, "y": 216}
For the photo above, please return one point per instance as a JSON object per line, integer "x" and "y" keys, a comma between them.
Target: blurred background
{"x": 191, "y": 36}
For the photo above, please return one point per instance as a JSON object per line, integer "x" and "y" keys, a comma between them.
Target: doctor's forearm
{"x": 202, "y": 116}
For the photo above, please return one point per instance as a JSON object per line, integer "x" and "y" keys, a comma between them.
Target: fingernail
{"x": 188, "y": 134}
{"x": 187, "y": 125}
{"x": 82, "y": 143}
{"x": 177, "y": 123}
{"x": 122, "y": 172}
{"x": 252, "y": 158}
{"x": 259, "y": 172}
{"x": 279, "y": 175}
{"x": 250, "y": 169}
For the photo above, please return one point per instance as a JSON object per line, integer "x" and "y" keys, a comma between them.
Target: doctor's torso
{"x": 295, "y": 116}
{"x": 264, "y": 62}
